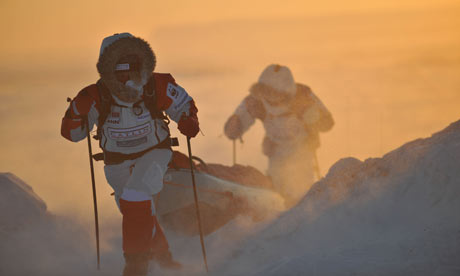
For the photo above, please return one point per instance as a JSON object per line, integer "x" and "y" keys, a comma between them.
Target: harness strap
{"x": 150, "y": 100}
{"x": 114, "y": 158}
{"x": 106, "y": 102}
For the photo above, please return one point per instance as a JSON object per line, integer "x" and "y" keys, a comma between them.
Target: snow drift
{"x": 36, "y": 242}
{"x": 395, "y": 215}
{"x": 19, "y": 205}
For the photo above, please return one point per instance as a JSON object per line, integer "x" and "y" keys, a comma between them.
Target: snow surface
{"x": 395, "y": 215}
{"x": 19, "y": 205}
{"x": 35, "y": 242}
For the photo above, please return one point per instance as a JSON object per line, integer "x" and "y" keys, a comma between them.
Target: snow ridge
{"x": 19, "y": 205}
{"x": 395, "y": 215}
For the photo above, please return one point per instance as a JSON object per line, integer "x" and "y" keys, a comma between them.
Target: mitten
{"x": 81, "y": 104}
{"x": 188, "y": 125}
{"x": 233, "y": 128}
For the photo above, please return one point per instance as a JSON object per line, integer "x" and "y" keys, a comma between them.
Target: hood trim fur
{"x": 262, "y": 91}
{"x": 112, "y": 54}
{"x": 298, "y": 103}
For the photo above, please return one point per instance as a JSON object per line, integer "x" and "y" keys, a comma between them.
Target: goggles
{"x": 128, "y": 64}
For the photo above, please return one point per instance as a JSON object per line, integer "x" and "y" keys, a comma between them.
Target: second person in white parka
{"x": 292, "y": 117}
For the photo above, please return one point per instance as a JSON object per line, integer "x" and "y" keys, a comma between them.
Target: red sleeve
{"x": 161, "y": 85}
{"x": 71, "y": 127}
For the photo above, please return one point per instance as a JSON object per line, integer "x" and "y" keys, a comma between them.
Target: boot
{"x": 160, "y": 250}
{"x": 136, "y": 264}
{"x": 165, "y": 260}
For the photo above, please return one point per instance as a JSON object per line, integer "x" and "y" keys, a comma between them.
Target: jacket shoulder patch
{"x": 178, "y": 95}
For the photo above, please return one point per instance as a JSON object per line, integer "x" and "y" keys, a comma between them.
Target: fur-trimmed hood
{"x": 265, "y": 92}
{"x": 276, "y": 85}
{"x": 112, "y": 50}
{"x": 280, "y": 78}
{"x": 276, "y": 100}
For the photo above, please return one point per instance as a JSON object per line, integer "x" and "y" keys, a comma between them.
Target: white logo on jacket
{"x": 127, "y": 133}
{"x": 178, "y": 95}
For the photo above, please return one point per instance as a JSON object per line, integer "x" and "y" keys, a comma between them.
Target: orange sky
{"x": 31, "y": 27}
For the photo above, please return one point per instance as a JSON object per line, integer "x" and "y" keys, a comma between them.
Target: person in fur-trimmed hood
{"x": 131, "y": 106}
{"x": 292, "y": 117}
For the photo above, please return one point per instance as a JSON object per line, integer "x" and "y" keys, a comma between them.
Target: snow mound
{"x": 395, "y": 215}
{"x": 35, "y": 242}
{"x": 19, "y": 205}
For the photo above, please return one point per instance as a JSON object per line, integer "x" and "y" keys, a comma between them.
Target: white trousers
{"x": 139, "y": 179}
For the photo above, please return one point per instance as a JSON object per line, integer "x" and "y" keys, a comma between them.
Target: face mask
{"x": 136, "y": 86}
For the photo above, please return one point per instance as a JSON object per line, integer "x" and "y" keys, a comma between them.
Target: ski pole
{"x": 234, "y": 152}
{"x": 94, "y": 193}
{"x": 196, "y": 203}
{"x": 317, "y": 166}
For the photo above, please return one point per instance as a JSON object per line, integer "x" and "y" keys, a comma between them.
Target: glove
{"x": 188, "y": 125}
{"x": 233, "y": 128}
{"x": 81, "y": 104}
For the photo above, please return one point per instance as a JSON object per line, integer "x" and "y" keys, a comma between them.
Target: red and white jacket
{"x": 124, "y": 131}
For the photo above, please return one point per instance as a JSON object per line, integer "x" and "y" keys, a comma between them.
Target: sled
{"x": 224, "y": 192}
